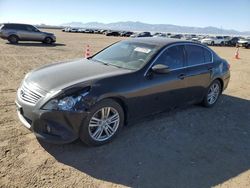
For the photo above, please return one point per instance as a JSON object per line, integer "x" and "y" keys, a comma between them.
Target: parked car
{"x": 160, "y": 35}
{"x": 89, "y": 31}
{"x": 143, "y": 34}
{"x": 103, "y": 31}
{"x": 179, "y": 36}
{"x": 113, "y": 33}
{"x": 73, "y": 30}
{"x": 126, "y": 34}
{"x": 232, "y": 42}
{"x": 24, "y": 32}
{"x": 218, "y": 40}
{"x": 95, "y": 97}
{"x": 244, "y": 42}
{"x": 97, "y": 31}
{"x": 66, "y": 29}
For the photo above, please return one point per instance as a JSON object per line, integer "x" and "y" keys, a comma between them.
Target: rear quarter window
{"x": 207, "y": 56}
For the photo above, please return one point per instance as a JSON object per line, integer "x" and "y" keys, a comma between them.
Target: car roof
{"x": 157, "y": 41}
{"x": 14, "y": 24}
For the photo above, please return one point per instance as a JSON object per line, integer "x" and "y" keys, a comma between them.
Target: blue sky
{"x": 226, "y": 14}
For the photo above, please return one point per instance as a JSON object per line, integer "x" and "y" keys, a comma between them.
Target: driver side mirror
{"x": 160, "y": 69}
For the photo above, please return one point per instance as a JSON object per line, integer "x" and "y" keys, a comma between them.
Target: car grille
{"x": 29, "y": 95}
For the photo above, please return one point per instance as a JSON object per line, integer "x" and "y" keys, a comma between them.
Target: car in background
{"x": 14, "y": 33}
{"x": 126, "y": 33}
{"x": 143, "y": 34}
{"x": 232, "y": 41}
{"x": 97, "y": 31}
{"x": 113, "y": 33}
{"x": 218, "y": 40}
{"x": 178, "y": 36}
{"x": 66, "y": 29}
{"x": 73, "y": 30}
{"x": 89, "y": 31}
{"x": 103, "y": 31}
{"x": 244, "y": 42}
{"x": 128, "y": 80}
{"x": 160, "y": 35}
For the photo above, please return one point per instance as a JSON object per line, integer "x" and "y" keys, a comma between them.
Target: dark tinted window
{"x": 20, "y": 27}
{"x": 195, "y": 55}
{"x": 207, "y": 55}
{"x": 172, "y": 57}
{"x": 14, "y": 26}
{"x": 30, "y": 28}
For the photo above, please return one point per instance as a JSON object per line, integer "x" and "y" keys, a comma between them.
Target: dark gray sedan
{"x": 93, "y": 98}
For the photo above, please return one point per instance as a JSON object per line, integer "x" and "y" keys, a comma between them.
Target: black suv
{"x": 24, "y": 32}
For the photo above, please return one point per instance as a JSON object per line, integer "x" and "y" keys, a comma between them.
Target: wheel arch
{"x": 124, "y": 107}
{"x": 123, "y": 104}
{"x": 14, "y": 34}
{"x": 221, "y": 82}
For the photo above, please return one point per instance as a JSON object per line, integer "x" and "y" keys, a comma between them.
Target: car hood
{"x": 58, "y": 76}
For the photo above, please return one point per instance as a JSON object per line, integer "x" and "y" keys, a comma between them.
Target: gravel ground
{"x": 188, "y": 147}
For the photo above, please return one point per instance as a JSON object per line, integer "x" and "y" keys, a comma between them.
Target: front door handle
{"x": 181, "y": 76}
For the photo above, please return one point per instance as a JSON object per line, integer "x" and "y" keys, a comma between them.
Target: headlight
{"x": 68, "y": 103}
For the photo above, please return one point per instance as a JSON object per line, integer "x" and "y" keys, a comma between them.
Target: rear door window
{"x": 30, "y": 28}
{"x": 173, "y": 57}
{"x": 195, "y": 55}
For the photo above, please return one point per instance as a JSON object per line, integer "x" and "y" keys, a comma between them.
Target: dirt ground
{"x": 188, "y": 147}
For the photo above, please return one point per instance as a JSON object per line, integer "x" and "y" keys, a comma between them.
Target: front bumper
{"x": 51, "y": 126}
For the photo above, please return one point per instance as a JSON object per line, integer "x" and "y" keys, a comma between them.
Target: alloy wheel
{"x": 104, "y": 123}
{"x": 213, "y": 93}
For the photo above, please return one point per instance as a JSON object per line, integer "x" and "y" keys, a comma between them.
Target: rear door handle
{"x": 181, "y": 76}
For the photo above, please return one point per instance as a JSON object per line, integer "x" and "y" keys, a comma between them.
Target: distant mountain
{"x": 139, "y": 26}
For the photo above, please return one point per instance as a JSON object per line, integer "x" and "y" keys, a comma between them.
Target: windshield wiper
{"x": 116, "y": 66}
{"x": 99, "y": 61}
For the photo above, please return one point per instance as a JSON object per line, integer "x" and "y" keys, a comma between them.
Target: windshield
{"x": 128, "y": 55}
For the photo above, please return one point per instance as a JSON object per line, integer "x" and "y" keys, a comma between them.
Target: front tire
{"x": 103, "y": 123}
{"x": 48, "y": 40}
{"x": 213, "y": 93}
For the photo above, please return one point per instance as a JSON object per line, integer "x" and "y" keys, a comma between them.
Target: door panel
{"x": 29, "y": 33}
{"x": 198, "y": 79}
{"x": 199, "y": 69}
{"x": 157, "y": 92}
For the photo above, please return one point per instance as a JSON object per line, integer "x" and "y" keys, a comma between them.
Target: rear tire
{"x": 212, "y": 43}
{"x": 213, "y": 93}
{"x": 13, "y": 39}
{"x": 107, "y": 116}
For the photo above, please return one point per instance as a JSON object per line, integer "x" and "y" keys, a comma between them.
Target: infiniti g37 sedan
{"x": 93, "y": 98}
